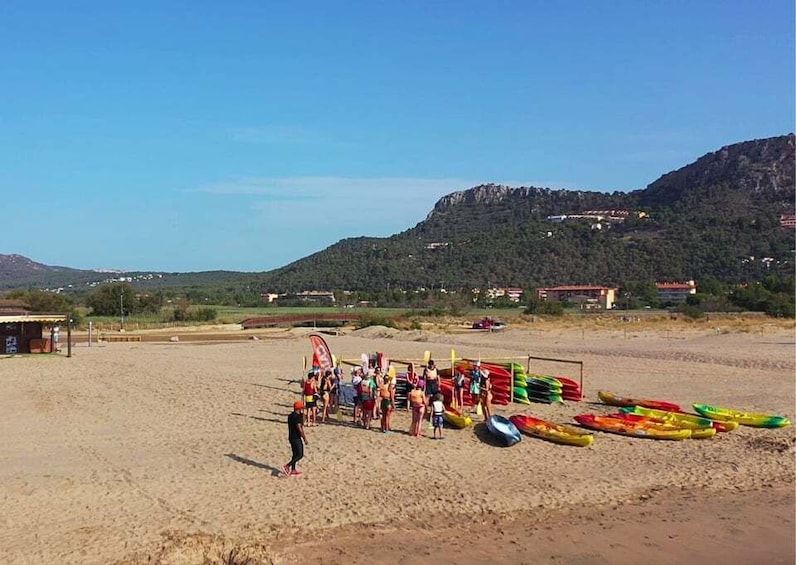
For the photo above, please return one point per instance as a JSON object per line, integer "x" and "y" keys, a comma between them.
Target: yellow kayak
{"x": 632, "y": 429}
{"x": 697, "y": 432}
{"x": 556, "y": 433}
{"x": 745, "y": 418}
{"x": 688, "y": 420}
{"x": 457, "y": 419}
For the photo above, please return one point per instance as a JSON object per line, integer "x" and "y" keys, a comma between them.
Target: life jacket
{"x": 365, "y": 390}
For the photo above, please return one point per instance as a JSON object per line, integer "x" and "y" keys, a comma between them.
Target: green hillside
{"x": 718, "y": 216}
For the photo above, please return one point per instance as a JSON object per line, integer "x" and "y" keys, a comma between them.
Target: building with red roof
{"x": 676, "y": 292}
{"x": 587, "y": 296}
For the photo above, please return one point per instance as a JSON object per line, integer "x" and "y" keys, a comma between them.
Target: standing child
{"x": 437, "y": 412}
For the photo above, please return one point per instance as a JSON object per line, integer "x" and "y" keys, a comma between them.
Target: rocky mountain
{"x": 719, "y": 216}
{"x": 17, "y": 271}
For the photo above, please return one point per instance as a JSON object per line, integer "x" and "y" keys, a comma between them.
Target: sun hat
{"x": 298, "y": 405}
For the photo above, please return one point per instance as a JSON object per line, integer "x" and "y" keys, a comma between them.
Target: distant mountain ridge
{"x": 20, "y": 272}
{"x": 716, "y": 216}
{"x": 706, "y": 218}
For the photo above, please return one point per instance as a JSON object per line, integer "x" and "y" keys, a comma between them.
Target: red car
{"x": 487, "y": 323}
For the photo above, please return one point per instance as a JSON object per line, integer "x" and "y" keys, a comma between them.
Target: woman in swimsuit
{"x": 417, "y": 403}
{"x": 486, "y": 394}
{"x": 326, "y": 386}
{"x": 377, "y": 382}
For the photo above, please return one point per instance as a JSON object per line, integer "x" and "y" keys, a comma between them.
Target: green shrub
{"x": 370, "y": 320}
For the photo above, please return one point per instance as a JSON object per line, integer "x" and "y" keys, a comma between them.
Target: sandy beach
{"x": 169, "y": 453}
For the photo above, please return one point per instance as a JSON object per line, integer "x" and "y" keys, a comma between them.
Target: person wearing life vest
{"x": 311, "y": 397}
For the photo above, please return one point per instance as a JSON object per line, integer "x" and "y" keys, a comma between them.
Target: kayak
{"x": 456, "y": 418}
{"x": 543, "y": 381}
{"x": 547, "y": 398}
{"x": 745, "y": 418}
{"x": 632, "y": 429}
{"x": 615, "y": 400}
{"x": 698, "y": 421}
{"x": 504, "y": 430}
{"x": 696, "y": 431}
{"x": 556, "y": 433}
{"x": 568, "y": 383}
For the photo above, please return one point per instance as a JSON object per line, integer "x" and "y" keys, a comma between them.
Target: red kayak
{"x": 616, "y": 400}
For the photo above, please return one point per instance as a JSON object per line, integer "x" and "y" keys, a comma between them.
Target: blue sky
{"x": 200, "y": 135}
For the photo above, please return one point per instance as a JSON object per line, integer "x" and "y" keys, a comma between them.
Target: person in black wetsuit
{"x": 297, "y": 439}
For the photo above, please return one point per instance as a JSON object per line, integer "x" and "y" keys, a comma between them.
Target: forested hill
{"x": 717, "y": 216}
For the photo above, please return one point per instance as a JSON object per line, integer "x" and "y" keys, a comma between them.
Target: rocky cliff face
{"x": 763, "y": 166}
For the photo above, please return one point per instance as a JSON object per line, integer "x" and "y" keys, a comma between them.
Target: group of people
{"x": 374, "y": 399}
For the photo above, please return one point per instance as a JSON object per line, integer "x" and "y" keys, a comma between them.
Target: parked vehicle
{"x": 487, "y": 323}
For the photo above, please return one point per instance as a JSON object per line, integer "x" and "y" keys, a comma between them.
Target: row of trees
{"x": 774, "y": 295}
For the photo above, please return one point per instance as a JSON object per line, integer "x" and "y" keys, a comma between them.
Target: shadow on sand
{"x": 258, "y": 418}
{"x": 483, "y": 433}
{"x": 274, "y": 471}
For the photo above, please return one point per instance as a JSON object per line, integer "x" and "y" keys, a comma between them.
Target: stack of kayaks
{"x": 505, "y": 432}
{"x": 570, "y": 390}
{"x": 693, "y": 419}
{"x": 549, "y": 431}
{"x": 616, "y": 400}
{"x": 456, "y": 419}
{"x": 698, "y": 431}
{"x": 401, "y": 392}
{"x": 520, "y": 384}
{"x": 632, "y": 429}
{"x": 744, "y": 418}
{"x": 541, "y": 388}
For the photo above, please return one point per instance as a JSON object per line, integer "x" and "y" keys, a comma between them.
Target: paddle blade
{"x": 426, "y": 356}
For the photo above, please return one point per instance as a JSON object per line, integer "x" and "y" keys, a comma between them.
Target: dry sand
{"x": 169, "y": 453}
